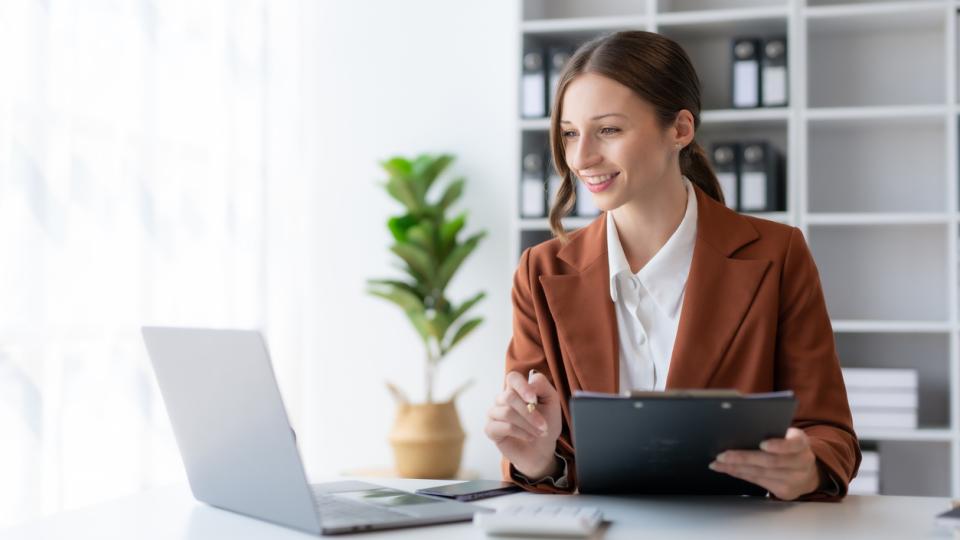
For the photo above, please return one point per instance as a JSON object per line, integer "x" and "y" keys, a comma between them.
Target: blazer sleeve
{"x": 807, "y": 363}
{"x": 526, "y": 352}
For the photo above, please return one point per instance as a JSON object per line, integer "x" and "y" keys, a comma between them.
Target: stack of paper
{"x": 882, "y": 398}
{"x": 867, "y": 481}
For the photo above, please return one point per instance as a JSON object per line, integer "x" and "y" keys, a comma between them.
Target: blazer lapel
{"x": 719, "y": 292}
{"x": 583, "y": 310}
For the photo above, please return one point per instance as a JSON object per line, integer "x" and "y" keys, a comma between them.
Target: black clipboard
{"x": 662, "y": 442}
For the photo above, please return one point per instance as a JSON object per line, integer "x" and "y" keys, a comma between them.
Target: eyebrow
{"x": 598, "y": 117}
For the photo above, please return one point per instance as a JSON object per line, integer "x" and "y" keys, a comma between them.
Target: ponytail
{"x": 695, "y": 165}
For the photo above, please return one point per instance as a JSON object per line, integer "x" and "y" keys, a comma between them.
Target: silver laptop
{"x": 241, "y": 453}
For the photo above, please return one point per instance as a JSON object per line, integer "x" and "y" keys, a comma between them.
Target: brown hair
{"x": 658, "y": 70}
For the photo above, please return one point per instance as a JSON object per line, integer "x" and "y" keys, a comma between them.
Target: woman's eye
{"x": 609, "y": 130}
{"x": 568, "y": 134}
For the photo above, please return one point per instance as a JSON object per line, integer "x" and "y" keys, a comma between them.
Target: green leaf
{"x": 423, "y": 235}
{"x": 400, "y": 225}
{"x": 410, "y": 288}
{"x": 448, "y": 233}
{"x": 405, "y": 299}
{"x": 427, "y": 168}
{"x": 456, "y": 258}
{"x": 398, "y": 166}
{"x": 464, "y": 307}
{"x": 417, "y": 259}
{"x": 463, "y": 331}
{"x": 419, "y": 321}
{"x": 451, "y": 194}
{"x": 411, "y": 305}
{"x": 401, "y": 189}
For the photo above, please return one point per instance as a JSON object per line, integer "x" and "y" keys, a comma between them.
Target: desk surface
{"x": 172, "y": 513}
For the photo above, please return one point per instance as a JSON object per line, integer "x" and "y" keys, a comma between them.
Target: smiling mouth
{"x": 601, "y": 179}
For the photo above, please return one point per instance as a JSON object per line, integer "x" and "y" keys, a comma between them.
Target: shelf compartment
{"x": 901, "y": 475}
{"x": 709, "y": 47}
{"x": 537, "y": 10}
{"x": 883, "y": 272}
{"x": 859, "y": 167}
{"x": 891, "y": 54}
{"x": 929, "y": 354}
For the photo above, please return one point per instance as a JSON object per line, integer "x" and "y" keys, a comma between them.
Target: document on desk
{"x": 663, "y": 442}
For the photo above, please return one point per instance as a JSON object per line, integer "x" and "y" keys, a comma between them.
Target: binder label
{"x": 745, "y": 87}
{"x": 728, "y": 184}
{"x": 532, "y": 203}
{"x": 534, "y": 94}
{"x": 775, "y": 85}
{"x": 754, "y": 191}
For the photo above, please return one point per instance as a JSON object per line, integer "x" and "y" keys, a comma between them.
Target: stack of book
{"x": 867, "y": 481}
{"x": 882, "y": 398}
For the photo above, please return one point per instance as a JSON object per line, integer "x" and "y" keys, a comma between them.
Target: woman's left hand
{"x": 786, "y": 467}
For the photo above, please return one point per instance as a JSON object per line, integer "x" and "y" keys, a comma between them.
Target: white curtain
{"x": 132, "y": 191}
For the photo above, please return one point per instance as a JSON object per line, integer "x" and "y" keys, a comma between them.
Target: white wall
{"x": 390, "y": 78}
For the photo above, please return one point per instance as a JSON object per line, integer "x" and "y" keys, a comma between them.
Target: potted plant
{"x": 427, "y": 437}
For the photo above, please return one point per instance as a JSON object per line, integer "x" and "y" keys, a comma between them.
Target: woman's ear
{"x": 683, "y": 128}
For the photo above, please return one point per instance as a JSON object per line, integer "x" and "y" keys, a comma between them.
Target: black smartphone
{"x": 471, "y": 490}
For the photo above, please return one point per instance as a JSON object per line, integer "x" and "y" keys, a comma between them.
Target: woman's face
{"x": 613, "y": 141}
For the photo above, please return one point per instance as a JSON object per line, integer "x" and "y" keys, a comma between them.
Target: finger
{"x": 506, "y": 413}
{"x": 760, "y": 458}
{"x": 795, "y": 441}
{"x": 753, "y": 471}
{"x": 499, "y": 431}
{"x": 541, "y": 385}
{"x": 519, "y": 384}
{"x": 771, "y": 484}
{"x": 510, "y": 398}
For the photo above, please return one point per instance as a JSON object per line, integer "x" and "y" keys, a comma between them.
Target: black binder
{"x": 533, "y": 95}
{"x": 533, "y": 187}
{"x": 663, "y": 442}
{"x": 745, "y": 79}
{"x": 726, "y": 164}
{"x": 762, "y": 178}
{"x": 774, "y": 81}
{"x": 557, "y": 58}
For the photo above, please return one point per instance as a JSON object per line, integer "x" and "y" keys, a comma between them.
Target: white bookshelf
{"x": 870, "y": 136}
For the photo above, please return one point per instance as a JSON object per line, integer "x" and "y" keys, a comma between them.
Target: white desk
{"x": 172, "y": 513}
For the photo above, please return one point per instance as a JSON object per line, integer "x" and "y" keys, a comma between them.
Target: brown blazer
{"x": 753, "y": 319}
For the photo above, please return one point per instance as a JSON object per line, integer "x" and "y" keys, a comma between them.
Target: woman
{"x": 667, "y": 289}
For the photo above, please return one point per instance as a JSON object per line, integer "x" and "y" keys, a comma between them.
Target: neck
{"x": 646, "y": 223}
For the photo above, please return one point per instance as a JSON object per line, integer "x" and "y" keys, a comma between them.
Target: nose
{"x": 582, "y": 154}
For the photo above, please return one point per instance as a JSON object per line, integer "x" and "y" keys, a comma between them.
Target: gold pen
{"x": 531, "y": 405}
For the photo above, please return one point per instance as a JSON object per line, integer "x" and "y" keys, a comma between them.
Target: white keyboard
{"x": 555, "y": 520}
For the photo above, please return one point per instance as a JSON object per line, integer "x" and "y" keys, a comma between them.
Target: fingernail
{"x": 713, "y": 465}
{"x": 722, "y": 457}
{"x": 764, "y": 446}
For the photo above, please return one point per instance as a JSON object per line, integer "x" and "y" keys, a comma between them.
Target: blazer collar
{"x": 719, "y": 292}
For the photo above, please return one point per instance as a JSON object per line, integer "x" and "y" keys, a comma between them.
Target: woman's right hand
{"x": 527, "y": 439}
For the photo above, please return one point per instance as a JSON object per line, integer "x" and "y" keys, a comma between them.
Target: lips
{"x": 598, "y": 183}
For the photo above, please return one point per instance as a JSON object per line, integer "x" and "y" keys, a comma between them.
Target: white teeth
{"x": 595, "y": 180}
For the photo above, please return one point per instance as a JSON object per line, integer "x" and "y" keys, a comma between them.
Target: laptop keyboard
{"x": 337, "y": 511}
